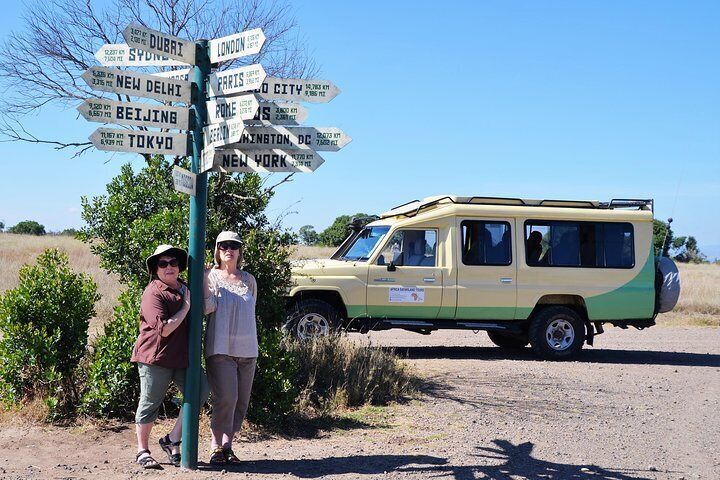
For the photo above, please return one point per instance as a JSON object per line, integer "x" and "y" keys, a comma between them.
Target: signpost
{"x": 284, "y": 113}
{"x": 184, "y": 180}
{"x": 160, "y": 43}
{"x": 236, "y": 80}
{"x": 266, "y": 161}
{"x": 132, "y": 113}
{"x": 125, "y": 82}
{"x": 327, "y": 139}
{"x": 223, "y": 133}
{"x": 243, "y": 107}
{"x": 179, "y": 74}
{"x": 123, "y": 55}
{"x": 118, "y": 140}
{"x": 237, "y": 45}
{"x": 298, "y": 90}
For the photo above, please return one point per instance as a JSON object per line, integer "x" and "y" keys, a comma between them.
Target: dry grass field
{"x": 699, "y": 301}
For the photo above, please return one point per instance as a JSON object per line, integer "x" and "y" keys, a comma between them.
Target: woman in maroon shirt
{"x": 161, "y": 349}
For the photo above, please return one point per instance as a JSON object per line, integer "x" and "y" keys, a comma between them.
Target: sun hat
{"x": 169, "y": 250}
{"x": 227, "y": 236}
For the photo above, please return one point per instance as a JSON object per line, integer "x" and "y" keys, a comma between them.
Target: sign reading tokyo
{"x": 126, "y": 82}
{"x": 328, "y": 139}
{"x": 238, "y": 45}
{"x": 298, "y": 90}
{"x": 123, "y": 55}
{"x": 133, "y": 113}
{"x": 236, "y": 80}
{"x": 304, "y": 161}
{"x": 117, "y": 140}
{"x": 160, "y": 43}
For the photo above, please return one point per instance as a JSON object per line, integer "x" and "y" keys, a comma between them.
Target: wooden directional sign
{"x": 298, "y": 90}
{"x": 238, "y": 45}
{"x": 266, "y": 161}
{"x": 117, "y": 140}
{"x": 125, "y": 82}
{"x": 123, "y": 55}
{"x": 179, "y": 74}
{"x": 243, "y": 107}
{"x": 236, "y": 80}
{"x": 223, "y": 133}
{"x": 160, "y": 43}
{"x": 278, "y": 114}
{"x": 184, "y": 180}
{"x": 133, "y": 113}
{"x": 328, "y": 139}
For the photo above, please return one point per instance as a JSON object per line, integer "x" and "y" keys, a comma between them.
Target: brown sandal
{"x": 217, "y": 457}
{"x": 230, "y": 456}
{"x": 147, "y": 461}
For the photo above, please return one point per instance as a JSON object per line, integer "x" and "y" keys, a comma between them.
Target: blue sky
{"x": 551, "y": 99}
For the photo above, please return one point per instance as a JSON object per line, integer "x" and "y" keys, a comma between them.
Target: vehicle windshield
{"x": 364, "y": 243}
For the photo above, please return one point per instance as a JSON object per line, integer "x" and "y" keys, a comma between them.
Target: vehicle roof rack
{"x": 412, "y": 208}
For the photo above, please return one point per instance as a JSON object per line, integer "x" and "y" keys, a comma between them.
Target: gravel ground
{"x": 638, "y": 405}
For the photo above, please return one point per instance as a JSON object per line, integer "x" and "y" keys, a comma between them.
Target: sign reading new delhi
{"x": 126, "y": 82}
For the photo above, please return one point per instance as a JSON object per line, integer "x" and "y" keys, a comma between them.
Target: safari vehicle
{"x": 549, "y": 273}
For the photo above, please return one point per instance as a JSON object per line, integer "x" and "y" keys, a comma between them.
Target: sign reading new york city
{"x": 267, "y": 161}
{"x": 298, "y": 90}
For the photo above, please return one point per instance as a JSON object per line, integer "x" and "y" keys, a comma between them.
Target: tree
{"x": 2, "y": 226}
{"x": 28, "y": 227}
{"x": 336, "y": 233}
{"x": 687, "y": 251}
{"x": 662, "y": 237}
{"x": 308, "y": 235}
{"x": 61, "y": 37}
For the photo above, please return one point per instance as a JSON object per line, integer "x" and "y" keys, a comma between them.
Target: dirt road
{"x": 638, "y": 405}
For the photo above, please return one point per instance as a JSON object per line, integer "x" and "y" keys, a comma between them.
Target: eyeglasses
{"x": 165, "y": 263}
{"x": 229, "y": 246}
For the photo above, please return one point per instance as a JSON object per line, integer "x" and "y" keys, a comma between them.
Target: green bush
{"x": 27, "y": 227}
{"x": 113, "y": 384}
{"x": 43, "y": 333}
{"x": 336, "y": 233}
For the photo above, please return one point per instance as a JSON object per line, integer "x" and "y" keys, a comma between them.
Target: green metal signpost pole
{"x": 198, "y": 216}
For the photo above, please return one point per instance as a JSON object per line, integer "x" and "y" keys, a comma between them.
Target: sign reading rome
{"x": 160, "y": 43}
{"x": 242, "y": 107}
{"x": 126, "y": 82}
{"x": 119, "y": 140}
{"x": 328, "y": 139}
{"x": 123, "y": 55}
{"x": 237, "y": 45}
{"x": 298, "y": 90}
{"x": 133, "y": 113}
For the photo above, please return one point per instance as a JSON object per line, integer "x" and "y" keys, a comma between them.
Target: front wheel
{"x": 312, "y": 318}
{"x": 557, "y": 333}
{"x": 506, "y": 340}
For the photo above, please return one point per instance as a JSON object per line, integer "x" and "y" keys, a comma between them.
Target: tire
{"x": 312, "y": 318}
{"x": 557, "y": 333}
{"x": 506, "y": 340}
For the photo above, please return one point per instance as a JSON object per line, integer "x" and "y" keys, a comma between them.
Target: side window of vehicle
{"x": 486, "y": 243}
{"x": 412, "y": 248}
{"x": 579, "y": 244}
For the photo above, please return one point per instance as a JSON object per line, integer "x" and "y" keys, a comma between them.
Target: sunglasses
{"x": 165, "y": 263}
{"x": 229, "y": 246}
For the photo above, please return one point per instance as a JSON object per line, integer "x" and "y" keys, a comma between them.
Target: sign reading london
{"x": 126, "y": 82}
{"x": 160, "y": 43}
{"x": 132, "y": 113}
{"x": 118, "y": 140}
{"x": 238, "y": 45}
{"x": 123, "y": 55}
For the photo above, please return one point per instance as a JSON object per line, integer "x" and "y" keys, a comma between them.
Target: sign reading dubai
{"x": 238, "y": 45}
{"x": 268, "y": 161}
{"x": 123, "y": 55}
{"x": 328, "y": 139}
{"x": 117, "y": 140}
{"x": 160, "y": 43}
{"x": 298, "y": 90}
{"x": 126, "y": 82}
{"x": 236, "y": 80}
{"x": 132, "y": 113}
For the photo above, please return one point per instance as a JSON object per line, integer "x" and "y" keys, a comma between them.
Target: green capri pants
{"x": 154, "y": 383}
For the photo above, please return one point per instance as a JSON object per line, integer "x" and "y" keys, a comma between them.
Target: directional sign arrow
{"x": 238, "y": 45}
{"x": 279, "y": 114}
{"x": 298, "y": 90}
{"x": 223, "y": 133}
{"x": 328, "y": 139}
{"x": 160, "y": 43}
{"x": 123, "y": 55}
{"x": 242, "y": 107}
{"x": 179, "y": 74}
{"x": 126, "y": 82}
{"x": 267, "y": 161}
{"x": 118, "y": 140}
{"x": 236, "y": 80}
{"x": 133, "y": 113}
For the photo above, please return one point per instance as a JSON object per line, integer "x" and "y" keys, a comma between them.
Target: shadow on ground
{"x": 589, "y": 355}
{"x": 499, "y": 461}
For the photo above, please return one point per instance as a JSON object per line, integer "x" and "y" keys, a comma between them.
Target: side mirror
{"x": 392, "y": 267}
{"x": 395, "y": 262}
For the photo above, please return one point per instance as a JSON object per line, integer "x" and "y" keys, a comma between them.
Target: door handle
{"x": 506, "y": 280}
{"x": 384, "y": 280}
{"x": 429, "y": 279}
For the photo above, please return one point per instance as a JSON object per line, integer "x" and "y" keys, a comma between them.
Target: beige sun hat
{"x": 169, "y": 250}
{"x": 228, "y": 236}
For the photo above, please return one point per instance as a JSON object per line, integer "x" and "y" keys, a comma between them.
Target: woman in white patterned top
{"x": 231, "y": 346}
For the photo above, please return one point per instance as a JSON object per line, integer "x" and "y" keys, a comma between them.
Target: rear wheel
{"x": 506, "y": 340}
{"x": 312, "y": 318}
{"x": 557, "y": 333}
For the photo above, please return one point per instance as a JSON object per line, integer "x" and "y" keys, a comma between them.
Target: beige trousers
{"x": 230, "y": 381}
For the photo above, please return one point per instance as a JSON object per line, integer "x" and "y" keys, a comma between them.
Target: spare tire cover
{"x": 670, "y": 286}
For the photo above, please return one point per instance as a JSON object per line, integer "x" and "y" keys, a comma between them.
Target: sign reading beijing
{"x": 133, "y": 113}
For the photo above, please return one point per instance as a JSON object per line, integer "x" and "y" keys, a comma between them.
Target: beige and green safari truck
{"x": 549, "y": 273}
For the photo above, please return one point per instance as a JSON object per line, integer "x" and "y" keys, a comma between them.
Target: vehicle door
{"x": 486, "y": 273}
{"x": 405, "y": 281}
